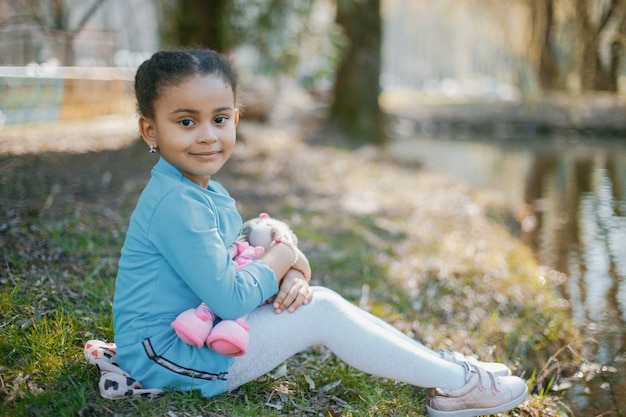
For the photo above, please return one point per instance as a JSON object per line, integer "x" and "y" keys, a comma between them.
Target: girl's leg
{"x": 383, "y": 324}
{"x": 494, "y": 367}
{"x": 355, "y": 336}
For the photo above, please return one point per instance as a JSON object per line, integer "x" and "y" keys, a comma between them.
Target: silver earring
{"x": 152, "y": 149}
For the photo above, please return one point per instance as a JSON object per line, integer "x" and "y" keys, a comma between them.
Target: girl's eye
{"x": 186, "y": 122}
{"x": 221, "y": 120}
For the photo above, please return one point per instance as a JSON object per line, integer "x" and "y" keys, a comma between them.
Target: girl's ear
{"x": 148, "y": 131}
{"x": 236, "y": 116}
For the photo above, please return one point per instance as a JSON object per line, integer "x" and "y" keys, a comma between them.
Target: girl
{"x": 176, "y": 255}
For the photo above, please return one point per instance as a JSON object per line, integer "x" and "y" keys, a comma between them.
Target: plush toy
{"x": 243, "y": 253}
{"x": 230, "y": 337}
{"x": 196, "y": 327}
{"x": 259, "y": 231}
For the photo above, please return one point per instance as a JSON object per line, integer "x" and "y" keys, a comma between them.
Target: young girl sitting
{"x": 176, "y": 256}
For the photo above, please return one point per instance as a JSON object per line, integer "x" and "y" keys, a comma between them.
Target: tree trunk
{"x": 593, "y": 73}
{"x": 355, "y": 110}
{"x": 616, "y": 46}
{"x": 542, "y": 54}
{"x": 199, "y": 23}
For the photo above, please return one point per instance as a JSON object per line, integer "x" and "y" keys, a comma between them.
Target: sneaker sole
{"x": 473, "y": 412}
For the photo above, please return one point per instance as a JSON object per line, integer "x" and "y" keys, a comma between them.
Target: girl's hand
{"x": 294, "y": 291}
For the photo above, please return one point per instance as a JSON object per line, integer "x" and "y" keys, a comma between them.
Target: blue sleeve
{"x": 184, "y": 228}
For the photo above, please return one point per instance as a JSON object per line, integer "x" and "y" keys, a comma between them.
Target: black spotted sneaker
{"x": 499, "y": 369}
{"x": 483, "y": 394}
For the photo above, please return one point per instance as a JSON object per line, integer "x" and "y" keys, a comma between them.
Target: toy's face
{"x": 260, "y": 231}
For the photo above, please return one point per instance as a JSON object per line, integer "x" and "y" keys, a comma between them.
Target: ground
{"x": 411, "y": 245}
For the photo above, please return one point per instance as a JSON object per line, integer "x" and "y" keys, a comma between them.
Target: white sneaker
{"x": 483, "y": 394}
{"x": 499, "y": 369}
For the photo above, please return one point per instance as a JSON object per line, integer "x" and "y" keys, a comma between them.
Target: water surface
{"x": 569, "y": 197}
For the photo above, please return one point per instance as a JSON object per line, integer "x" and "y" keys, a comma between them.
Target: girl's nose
{"x": 209, "y": 133}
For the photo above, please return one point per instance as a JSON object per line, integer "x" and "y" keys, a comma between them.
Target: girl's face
{"x": 194, "y": 126}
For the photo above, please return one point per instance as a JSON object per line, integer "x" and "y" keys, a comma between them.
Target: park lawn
{"x": 421, "y": 250}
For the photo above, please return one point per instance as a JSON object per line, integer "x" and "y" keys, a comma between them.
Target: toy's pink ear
{"x": 264, "y": 216}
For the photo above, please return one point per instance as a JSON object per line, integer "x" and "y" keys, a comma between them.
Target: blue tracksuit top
{"x": 174, "y": 257}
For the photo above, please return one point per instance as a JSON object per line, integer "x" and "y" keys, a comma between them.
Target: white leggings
{"x": 359, "y": 338}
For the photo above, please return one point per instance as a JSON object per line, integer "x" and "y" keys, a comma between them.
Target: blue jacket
{"x": 175, "y": 256}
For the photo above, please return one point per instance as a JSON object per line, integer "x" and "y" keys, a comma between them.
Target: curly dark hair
{"x": 170, "y": 68}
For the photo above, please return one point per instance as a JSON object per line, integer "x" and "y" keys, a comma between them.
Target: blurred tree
{"x": 572, "y": 44}
{"x": 355, "y": 110}
{"x": 223, "y": 25}
{"x": 278, "y": 29}
{"x": 581, "y": 40}
{"x": 200, "y": 23}
{"x": 598, "y": 60}
{"x": 540, "y": 51}
{"x": 52, "y": 18}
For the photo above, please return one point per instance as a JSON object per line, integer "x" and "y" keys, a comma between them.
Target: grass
{"x": 432, "y": 262}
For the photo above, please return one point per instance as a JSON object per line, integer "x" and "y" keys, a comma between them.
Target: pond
{"x": 569, "y": 197}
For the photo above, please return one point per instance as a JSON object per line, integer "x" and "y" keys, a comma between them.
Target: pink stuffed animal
{"x": 194, "y": 325}
{"x": 243, "y": 253}
{"x": 256, "y": 238}
{"x": 259, "y": 231}
{"x": 230, "y": 337}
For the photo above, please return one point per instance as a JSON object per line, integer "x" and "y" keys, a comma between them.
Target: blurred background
{"x": 523, "y": 99}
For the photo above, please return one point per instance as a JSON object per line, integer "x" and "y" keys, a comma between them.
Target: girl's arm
{"x": 186, "y": 233}
{"x": 280, "y": 258}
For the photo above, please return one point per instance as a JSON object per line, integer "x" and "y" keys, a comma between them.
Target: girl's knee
{"x": 328, "y": 298}
{"x": 323, "y": 290}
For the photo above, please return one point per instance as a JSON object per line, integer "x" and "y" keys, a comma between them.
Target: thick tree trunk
{"x": 355, "y": 110}
{"x": 594, "y": 74}
{"x": 542, "y": 55}
{"x": 199, "y": 23}
{"x": 610, "y": 72}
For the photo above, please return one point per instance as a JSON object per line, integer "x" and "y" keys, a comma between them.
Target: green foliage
{"x": 280, "y": 32}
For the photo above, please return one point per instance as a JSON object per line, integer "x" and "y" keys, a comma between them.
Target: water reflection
{"x": 570, "y": 199}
